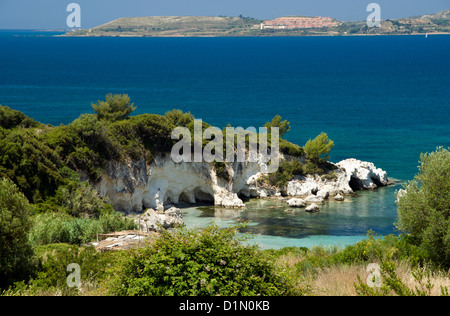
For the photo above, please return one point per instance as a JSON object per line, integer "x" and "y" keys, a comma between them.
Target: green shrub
{"x": 80, "y": 200}
{"x": 178, "y": 118}
{"x": 424, "y": 209}
{"x": 16, "y": 254}
{"x": 329, "y": 176}
{"x": 221, "y": 170}
{"x": 51, "y": 276}
{"x": 291, "y": 149}
{"x": 286, "y": 171}
{"x": 116, "y": 107}
{"x": 11, "y": 118}
{"x": 201, "y": 262}
{"x": 30, "y": 164}
{"x": 318, "y": 147}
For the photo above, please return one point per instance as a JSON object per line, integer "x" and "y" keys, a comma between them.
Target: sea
{"x": 383, "y": 99}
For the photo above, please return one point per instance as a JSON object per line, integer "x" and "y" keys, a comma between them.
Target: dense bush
{"x": 11, "y": 118}
{"x": 207, "y": 262}
{"x": 179, "y": 118}
{"x": 30, "y": 163}
{"x": 77, "y": 199}
{"x": 54, "y": 260}
{"x": 116, "y": 107}
{"x": 16, "y": 254}
{"x": 424, "y": 206}
{"x": 51, "y": 272}
{"x": 286, "y": 171}
{"x": 291, "y": 149}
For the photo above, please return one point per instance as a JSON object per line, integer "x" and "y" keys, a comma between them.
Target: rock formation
{"x": 295, "y": 202}
{"x": 152, "y": 220}
{"x": 136, "y": 186}
{"x": 313, "y": 208}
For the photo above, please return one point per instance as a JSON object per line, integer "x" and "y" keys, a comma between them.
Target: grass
{"x": 338, "y": 279}
{"x": 311, "y": 270}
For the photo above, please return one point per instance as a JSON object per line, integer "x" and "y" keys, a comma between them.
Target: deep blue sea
{"x": 383, "y": 99}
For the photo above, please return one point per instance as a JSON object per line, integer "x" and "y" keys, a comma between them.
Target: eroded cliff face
{"x": 135, "y": 186}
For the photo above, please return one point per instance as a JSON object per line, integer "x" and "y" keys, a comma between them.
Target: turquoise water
{"x": 383, "y": 99}
{"x": 275, "y": 225}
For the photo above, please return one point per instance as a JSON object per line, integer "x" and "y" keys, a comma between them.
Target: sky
{"x": 52, "y": 14}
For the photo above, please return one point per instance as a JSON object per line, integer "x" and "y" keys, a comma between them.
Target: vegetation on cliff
{"x": 40, "y": 158}
{"x": 52, "y": 169}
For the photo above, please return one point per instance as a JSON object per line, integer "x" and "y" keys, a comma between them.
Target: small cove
{"x": 273, "y": 224}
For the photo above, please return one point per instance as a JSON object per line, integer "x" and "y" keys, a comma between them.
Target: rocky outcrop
{"x": 313, "y": 208}
{"x": 351, "y": 175}
{"x": 295, "y": 202}
{"x": 362, "y": 174}
{"x": 136, "y": 186}
{"x": 152, "y": 220}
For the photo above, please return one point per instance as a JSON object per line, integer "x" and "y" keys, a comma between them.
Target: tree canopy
{"x": 283, "y": 126}
{"x": 15, "y": 251}
{"x": 116, "y": 107}
{"x": 319, "y": 147}
{"x": 424, "y": 206}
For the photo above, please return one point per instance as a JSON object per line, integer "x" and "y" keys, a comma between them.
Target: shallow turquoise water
{"x": 275, "y": 225}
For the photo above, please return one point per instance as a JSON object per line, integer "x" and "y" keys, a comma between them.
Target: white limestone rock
{"x": 295, "y": 202}
{"x": 363, "y": 174}
{"x": 324, "y": 194}
{"x": 302, "y": 188}
{"x": 314, "y": 199}
{"x": 151, "y": 220}
{"x": 135, "y": 186}
{"x": 313, "y": 208}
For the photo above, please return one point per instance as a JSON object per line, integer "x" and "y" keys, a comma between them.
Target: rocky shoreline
{"x": 153, "y": 190}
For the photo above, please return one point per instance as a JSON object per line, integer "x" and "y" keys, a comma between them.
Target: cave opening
{"x": 202, "y": 196}
{"x": 196, "y": 196}
{"x": 377, "y": 181}
{"x": 355, "y": 184}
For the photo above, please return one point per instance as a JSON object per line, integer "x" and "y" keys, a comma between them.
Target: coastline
{"x": 247, "y": 36}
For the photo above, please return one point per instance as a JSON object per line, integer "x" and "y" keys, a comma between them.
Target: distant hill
{"x": 204, "y": 26}
{"x": 174, "y": 26}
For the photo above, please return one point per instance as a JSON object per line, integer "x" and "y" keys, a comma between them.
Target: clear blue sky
{"x": 51, "y": 14}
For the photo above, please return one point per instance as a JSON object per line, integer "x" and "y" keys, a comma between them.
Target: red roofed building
{"x": 299, "y": 23}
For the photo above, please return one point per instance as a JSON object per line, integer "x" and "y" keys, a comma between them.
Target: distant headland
{"x": 222, "y": 26}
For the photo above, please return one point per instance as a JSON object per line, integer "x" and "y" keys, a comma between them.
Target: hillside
{"x": 206, "y": 26}
{"x": 174, "y": 26}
